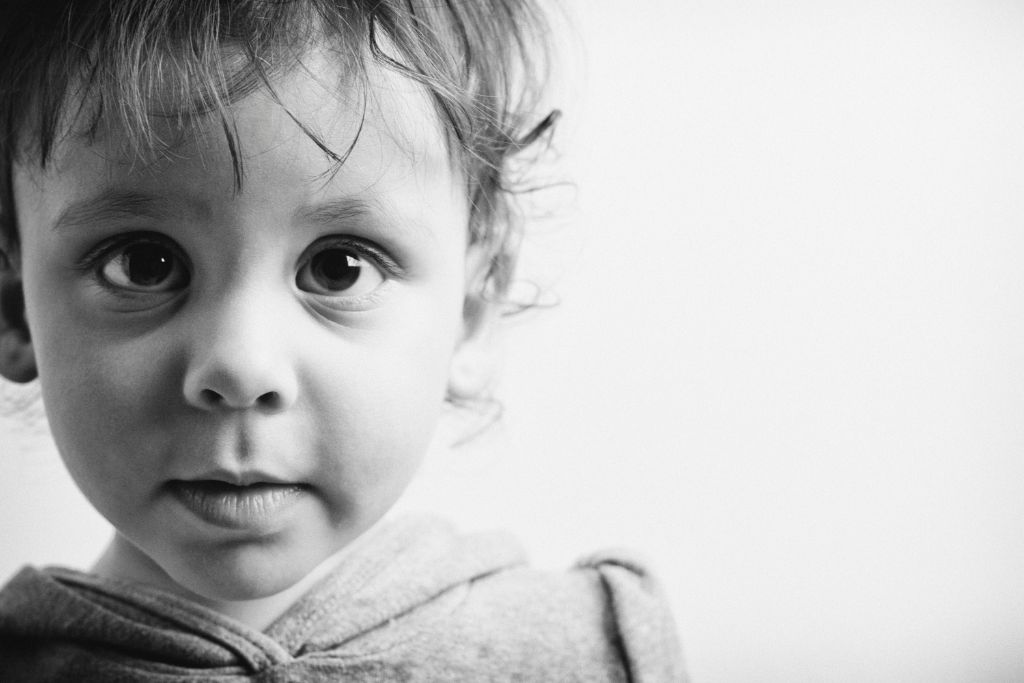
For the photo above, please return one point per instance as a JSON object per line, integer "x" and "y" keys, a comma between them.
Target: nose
{"x": 239, "y": 360}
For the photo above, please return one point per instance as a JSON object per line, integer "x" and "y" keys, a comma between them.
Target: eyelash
{"x": 388, "y": 265}
{"x": 96, "y": 257}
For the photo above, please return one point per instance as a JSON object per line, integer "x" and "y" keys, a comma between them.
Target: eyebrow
{"x": 348, "y": 211}
{"x": 113, "y": 204}
{"x": 336, "y": 211}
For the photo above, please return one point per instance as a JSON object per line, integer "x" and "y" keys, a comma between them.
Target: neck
{"x": 123, "y": 561}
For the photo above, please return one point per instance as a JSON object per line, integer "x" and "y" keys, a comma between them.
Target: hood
{"x": 396, "y": 569}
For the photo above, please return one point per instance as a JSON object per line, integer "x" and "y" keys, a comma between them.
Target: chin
{"x": 242, "y": 573}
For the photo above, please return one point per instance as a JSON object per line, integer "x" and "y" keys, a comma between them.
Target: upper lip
{"x": 241, "y": 478}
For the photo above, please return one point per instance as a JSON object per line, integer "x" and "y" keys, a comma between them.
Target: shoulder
{"x": 644, "y": 626}
{"x": 430, "y": 602}
{"x": 605, "y": 619}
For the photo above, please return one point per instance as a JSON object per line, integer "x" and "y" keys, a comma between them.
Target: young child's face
{"x": 295, "y": 336}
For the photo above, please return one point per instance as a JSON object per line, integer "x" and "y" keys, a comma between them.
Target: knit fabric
{"x": 415, "y": 601}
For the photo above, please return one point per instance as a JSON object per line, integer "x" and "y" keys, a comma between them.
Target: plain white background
{"x": 788, "y": 362}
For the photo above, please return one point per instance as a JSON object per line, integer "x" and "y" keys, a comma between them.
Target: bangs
{"x": 154, "y": 71}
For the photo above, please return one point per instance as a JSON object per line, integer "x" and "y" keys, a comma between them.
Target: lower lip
{"x": 236, "y": 507}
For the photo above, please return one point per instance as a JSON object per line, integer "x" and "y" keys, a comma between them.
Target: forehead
{"x": 318, "y": 123}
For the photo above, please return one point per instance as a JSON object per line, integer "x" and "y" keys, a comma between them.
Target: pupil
{"x": 148, "y": 264}
{"x": 336, "y": 269}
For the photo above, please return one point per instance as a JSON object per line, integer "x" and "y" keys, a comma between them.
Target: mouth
{"x": 251, "y": 506}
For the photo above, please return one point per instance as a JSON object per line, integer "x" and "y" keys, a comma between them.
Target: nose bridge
{"x": 238, "y": 357}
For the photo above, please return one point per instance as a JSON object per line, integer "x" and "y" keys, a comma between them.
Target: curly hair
{"x": 65, "y": 65}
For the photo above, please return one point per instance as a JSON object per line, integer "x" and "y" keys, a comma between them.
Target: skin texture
{"x": 231, "y": 364}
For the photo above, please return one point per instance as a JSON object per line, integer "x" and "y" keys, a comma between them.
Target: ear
{"x": 474, "y": 357}
{"x": 17, "y": 357}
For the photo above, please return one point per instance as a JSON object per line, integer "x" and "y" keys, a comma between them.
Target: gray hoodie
{"x": 414, "y": 601}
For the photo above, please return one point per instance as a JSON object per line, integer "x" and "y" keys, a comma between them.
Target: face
{"x": 242, "y": 382}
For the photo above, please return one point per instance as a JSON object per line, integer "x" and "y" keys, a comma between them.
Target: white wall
{"x": 788, "y": 364}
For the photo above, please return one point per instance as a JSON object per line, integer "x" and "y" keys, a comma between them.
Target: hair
{"x": 66, "y": 65}
{"x": 69, "y": 66}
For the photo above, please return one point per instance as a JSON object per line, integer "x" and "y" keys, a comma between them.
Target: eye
{"x": 339, "y": 270}
{"x": 144, "y": 266}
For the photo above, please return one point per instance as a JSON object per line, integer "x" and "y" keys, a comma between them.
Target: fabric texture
{"x": 414, "y": 601}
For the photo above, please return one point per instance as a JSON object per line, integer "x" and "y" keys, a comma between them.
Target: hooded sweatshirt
{"x": 414, "y": 601}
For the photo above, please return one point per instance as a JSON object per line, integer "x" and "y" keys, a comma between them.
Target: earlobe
{"x": 477, "y": 317}
{"x": 472, "y": 363}
{"x": 17, "y": 357}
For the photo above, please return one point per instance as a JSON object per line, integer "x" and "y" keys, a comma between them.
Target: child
{"x": 245, "y": 244}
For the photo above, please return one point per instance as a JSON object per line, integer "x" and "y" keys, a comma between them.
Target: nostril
{"x": 270, "y": 400}
{"x": 211, "y": 397}
{"x": 213, "y": 393}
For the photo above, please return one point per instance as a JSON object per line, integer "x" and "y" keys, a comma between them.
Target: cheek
{"x": 108, "y": 441}
{"x": 107, "y": 404}
{"x": 378, "y": 406}
{"x": 111, "y": 380}
{"x": 379, "y": 398}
